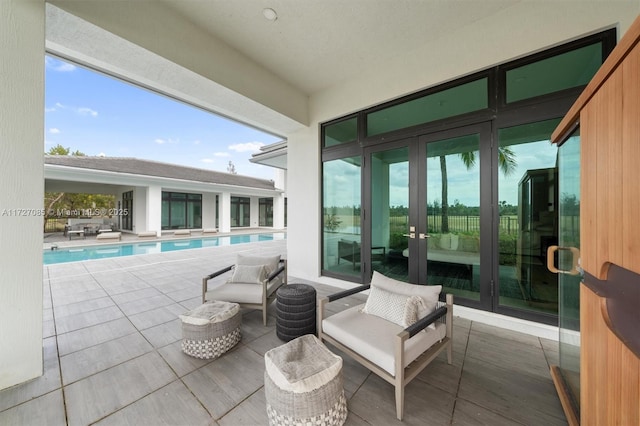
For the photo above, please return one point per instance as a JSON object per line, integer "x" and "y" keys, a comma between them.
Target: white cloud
{"x": 102, "y": 154}
{"x": 54, "y": 130}
{"x": 196, "y": 142}
{"x": 221, "y": 154}
{"x": 161, "y": 141}
{"x": 208, "y": 160}
{"x": 56, "y": 65}
{"x": 246, "y": 147}
{"x": 87, "y": 111}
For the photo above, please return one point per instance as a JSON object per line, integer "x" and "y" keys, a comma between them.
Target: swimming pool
{"x": 77, "y": 254}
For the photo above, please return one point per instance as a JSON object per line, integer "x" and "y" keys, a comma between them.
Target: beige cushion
{"x": 270, "y": 262}
{"x": 240, "y": 293}
{"x": 374, "y": 338}
{"x": 429, "y": 293}
{"x": 248, "y": 274}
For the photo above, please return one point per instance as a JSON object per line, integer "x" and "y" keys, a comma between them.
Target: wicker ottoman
{"x": 303, "y": 384}
{"x": 211, "y": 329}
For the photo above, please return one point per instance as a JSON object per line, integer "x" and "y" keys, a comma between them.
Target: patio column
{"x": 22, "y": 189}
{"x": 278, "y": 211}
{"x": 225, "y": 212}
{"x": 254, "y": 212}
{"x": 154, "y": 209}
{"x": 208, "y": 210}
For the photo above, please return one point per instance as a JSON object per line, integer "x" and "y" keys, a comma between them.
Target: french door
{"x": 429, "y": 218}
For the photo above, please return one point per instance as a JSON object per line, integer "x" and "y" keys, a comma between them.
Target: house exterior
{"x": 331, "y": 92}
{"x": 162, "y": 197}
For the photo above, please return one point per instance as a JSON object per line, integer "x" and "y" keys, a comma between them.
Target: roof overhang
{"x": 273, "y": 155}
{"x": 75, "y": 179}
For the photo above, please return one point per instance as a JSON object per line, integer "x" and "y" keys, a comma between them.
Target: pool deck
{"x": 112, "y": 356}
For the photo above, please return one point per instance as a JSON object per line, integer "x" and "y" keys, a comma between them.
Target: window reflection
{"x": 528, "y": 207}
{"x": 341, "y": 215}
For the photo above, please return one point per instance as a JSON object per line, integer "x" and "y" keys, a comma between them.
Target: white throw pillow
{"x": 248, "y": 274}
{"x": 397, "y": 308}
{"x": 430, "y": 294}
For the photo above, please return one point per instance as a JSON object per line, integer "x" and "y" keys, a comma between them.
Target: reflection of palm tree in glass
{"x": 506, "y": 162}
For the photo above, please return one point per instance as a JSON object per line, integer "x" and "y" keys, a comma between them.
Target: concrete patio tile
{"x": 441, "y": 375}
{"x": 164, "y": 334}
{"x": 185, "y": 293}
{"x": 123, "y": 288}
{"x": 424, "y": 405}
{"x": 510, "y": 335}
{"x": 180, "y": 362}
{"x": 263, "y": 343}
{"x": 76, "y": 296}
{"x": 84, "y": 363}
{"x": 170, "y": 405}
{"x": 354, "y": 420}
{"x": 81, "y": 307}
{"x": 146, "y": 304}
{"x": 135, "y": 295}
{"x": 469, "y": 414}
{"x": 97, "y": 396}
{"x": 42, "y": 385}
{"x": 526, "y": 398}
{"x": 94, "y": 335}
{"x": 42, "y": 411}
{"x": 501, "y": 351}
{"x": 66, "y": 269}
{"x": 157, "y": 316}
{"x": 192, "y": 303}
{"x": 229, "y": 380}
{"x": 353, "y": 374}
{"x": 250, "y": 412}
{"x": 48, "y": 324}
{"x": 87, "y": 319}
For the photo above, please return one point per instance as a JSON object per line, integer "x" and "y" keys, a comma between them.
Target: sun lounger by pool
{"x": 109, "y": 236}
{"x": 147, "y": 234}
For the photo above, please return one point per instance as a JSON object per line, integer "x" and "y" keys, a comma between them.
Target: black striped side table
{"x": 295, "y": 311}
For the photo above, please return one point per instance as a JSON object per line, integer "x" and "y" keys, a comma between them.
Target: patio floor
{"x": 112, "y": 356}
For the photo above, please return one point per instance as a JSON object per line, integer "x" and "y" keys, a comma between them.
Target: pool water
{"x": 77, "y": 254}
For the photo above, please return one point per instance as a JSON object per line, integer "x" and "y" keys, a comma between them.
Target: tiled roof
{"x": 154, "y": 168}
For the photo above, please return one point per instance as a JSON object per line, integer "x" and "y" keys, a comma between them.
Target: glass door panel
{"x": 341, "y": 237}
{"x": 569, "y": 284}
{"x": 452, "y": 213}
{"x": 528, "y": 211}
{"x": 390, "y": 213}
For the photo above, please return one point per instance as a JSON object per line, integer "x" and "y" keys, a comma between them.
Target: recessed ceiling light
{"x": 270, "y": 14}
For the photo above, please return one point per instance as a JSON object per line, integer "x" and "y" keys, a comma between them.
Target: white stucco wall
{"x": 208, "y": 210}
{"x": 459, "y": 53}
{"x": 22, "y": 177}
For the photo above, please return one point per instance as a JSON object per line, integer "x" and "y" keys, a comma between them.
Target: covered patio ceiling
{"x": 226, "y": 57}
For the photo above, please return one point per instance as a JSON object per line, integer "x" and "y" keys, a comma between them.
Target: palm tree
{"x": 506, "y": 163}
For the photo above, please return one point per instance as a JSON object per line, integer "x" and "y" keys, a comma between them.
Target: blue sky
{"x": 100, "y": 115}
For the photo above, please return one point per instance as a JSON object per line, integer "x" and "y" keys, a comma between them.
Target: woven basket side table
{"x": 295, "y": 311}
{"x": 304, "y": 385}
{"x": 211, "y": 329}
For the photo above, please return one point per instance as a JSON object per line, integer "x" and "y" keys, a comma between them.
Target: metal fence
{"x": 464, "y": 223}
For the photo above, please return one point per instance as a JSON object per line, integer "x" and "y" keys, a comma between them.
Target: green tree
{"x": 506, "y": 163}
{"x": 62, "y": 201}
